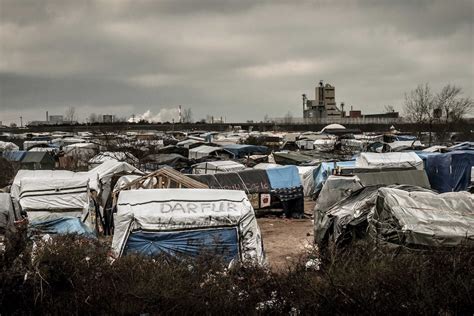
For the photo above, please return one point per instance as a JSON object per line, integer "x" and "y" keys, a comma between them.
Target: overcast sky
{"x": 240, "y": 59}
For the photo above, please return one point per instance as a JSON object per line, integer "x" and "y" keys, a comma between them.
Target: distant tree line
{"x": 447, "y": 107}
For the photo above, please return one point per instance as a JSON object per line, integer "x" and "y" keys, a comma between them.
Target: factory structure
{"x": 324, "y": 109}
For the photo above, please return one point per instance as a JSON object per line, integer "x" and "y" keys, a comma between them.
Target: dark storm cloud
{"x": 240, "y": 59}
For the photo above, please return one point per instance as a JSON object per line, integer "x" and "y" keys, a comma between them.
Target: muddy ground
{"x": 285, "y": 240}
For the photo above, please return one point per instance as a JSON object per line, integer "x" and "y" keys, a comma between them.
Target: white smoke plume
{"x": 164, "y": 115}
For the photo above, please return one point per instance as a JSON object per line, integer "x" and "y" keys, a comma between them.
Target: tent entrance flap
{"x": 223, "y": 242}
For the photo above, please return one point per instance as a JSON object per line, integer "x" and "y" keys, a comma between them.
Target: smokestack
{"x": 321, "y": 83}
{"x": 179, "y": 108}
{"x": 47, "y": 116}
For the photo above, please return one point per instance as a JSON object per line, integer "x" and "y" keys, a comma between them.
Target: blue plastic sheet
{"x": 450, "y": 171}
{"x": 241, "y": 151}
{"x": 325, "y": 169}
{"x": 61, "y": 225}
{"x": 14, "y": 155}
{"x": 223, "y": 242}
{"x": 284, "y": 177}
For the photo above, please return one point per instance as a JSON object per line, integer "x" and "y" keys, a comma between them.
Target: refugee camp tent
{"x": 8, "y": 146}
{"x": 103, "y": 177}
{"x": 272, "y": 188}
{"x": 347, "y": 219}
{"x": 286, "y": 184}
{"x": 59, "y": 224}
{"x": 242, "y": 151}
{"x": 335, "y": 189}
{"x": 204, "y": 151}
{"x": 14, "y": 156}
{"x": 423, "y": 219}
{"x": 67, "y": 196}
{"x": 324, "y": 170}
{"x": 209, "y": 167}
{"x": 112, "y": 155}
{"x": 37, "y": 161}
{"x": 7, "y": 213}
{"x": 153, "y": 162}
{"x": 27, "y": 144}
{"x": 451, "y": 171}
{"x": 389, "y": 160}
{"x": 292, "y": 158}
{"x": 81, "y": 152}
{"x": 187, "y": 223}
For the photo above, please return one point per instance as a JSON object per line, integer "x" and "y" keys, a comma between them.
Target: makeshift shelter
{"x": 67, "y": 196}
{"x": 8, "y": 146}
{"x": 58, "y": 224}
{"x": 389, "y": 160}
{"x": 121, "y": 156}
{"x": 324, "y": 170}
{"x": 292, "y": 158}
{"x": 187, "y": 223}
{"x": 153, "y": 162}
{"x": 451, "y": 171}
{"x": 423, "y": 219}
{"x": 210, "y": 167}
{"x": 38, "y": 161}
{"x": 81, "y": 153}
{"x": 347, "y": 219}
{"x": 204, "y": 151}
{"x": 7, "y": 213}
{"x": 242, "y": 151}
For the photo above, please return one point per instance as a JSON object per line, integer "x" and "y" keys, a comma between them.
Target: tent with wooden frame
{"x": 164, "y": 178}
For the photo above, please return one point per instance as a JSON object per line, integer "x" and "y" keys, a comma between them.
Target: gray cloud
{"x": 239, "y": 59}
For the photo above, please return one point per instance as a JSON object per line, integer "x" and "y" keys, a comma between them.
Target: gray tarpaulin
{"x": 423, "y": 219}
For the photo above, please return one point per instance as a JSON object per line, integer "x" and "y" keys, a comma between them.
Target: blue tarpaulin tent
{"x": 284, "y": 177}
{"x": 449, "y": 171}
{"x": 325, "y": 169}
{"x": 16, "y": 156}
{"x": 241, "y": 151}
{"x": 58, "y": 224}
{"x": 218, "y": 241}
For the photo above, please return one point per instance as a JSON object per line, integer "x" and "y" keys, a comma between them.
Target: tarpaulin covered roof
{"x": 204, "y": 150}
{"x": 8, "y": 146}
{"x": 348, "y": 217}
{"x": 249, "y": 181}
{"x": 14, "y": 155}
{"x": 423, "y": 219}
{"x": 217, "y": 167}
{"x": 389, "y": 160}
{"x": 187, "y": 222}
{"x": 59, "y": 224}
{"x": 241, "y": 151}
{"x": 449, "y": 171}
{"x": 284, "y": 177}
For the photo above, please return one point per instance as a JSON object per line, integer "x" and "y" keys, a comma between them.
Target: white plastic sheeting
{"x": 162, "y": 210}
{"x": 212, "y": 167}
{"x": 202, "y": 151}
{"x": 389, "y": 160}
{"x": 113, "y": 155}
{"x": 70, "y": 196}
{"x": 306, "y": 174}
{"x": 8, "y": 146}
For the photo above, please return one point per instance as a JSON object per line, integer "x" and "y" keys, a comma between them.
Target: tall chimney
{"x": 47, "y": 116}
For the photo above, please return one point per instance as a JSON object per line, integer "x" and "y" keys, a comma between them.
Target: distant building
{"x": 323, "y": 105}
{"x": 56, "y": 119}
{"x": 108, "y": 118}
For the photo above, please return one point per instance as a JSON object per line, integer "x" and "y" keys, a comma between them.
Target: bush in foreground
{"x": 75, "y": 276}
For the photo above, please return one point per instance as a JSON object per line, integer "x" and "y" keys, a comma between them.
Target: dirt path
{"x": 285, "y": 240}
